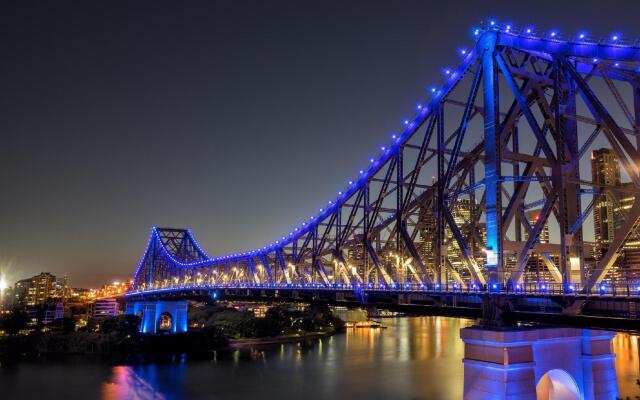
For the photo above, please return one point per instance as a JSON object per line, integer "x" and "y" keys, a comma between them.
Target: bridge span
{"x": 512, "y": 194}
{"x": 515, "y": 188}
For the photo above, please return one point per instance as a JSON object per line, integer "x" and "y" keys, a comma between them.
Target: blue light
{"x": 433, "y": 90}
{"x": 463, "y": 52}
{"x": 476, "y": 32}
{"x": 383, "y": 148}
{"x": 581, "y": 36}
{"x": 494, "y": 286}
{"x": 406, "y": 122}
{"x": 447, "y": 71}
{"x": 518, "y": 286}
{"x": 616, "y": 64}
{"x": 614, "y": 37}
{"x": 492, "y": 22}
{"x": 419, "y": 106}
{"x": 508, "y": 28}
{"x": 350, "y": 182}
{"x": 528, "y": 30}
{"x": 361, "y": 172}
{"x": 595, "y": 60}
{"x": 371, "y": 160}
{"x": 571, "y": 288}
{"x": 553, "y": 34}
{"x": 393, "y": 136}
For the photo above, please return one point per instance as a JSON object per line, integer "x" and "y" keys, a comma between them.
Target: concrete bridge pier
{"x": 538, "y": 364}
{"x": 160, "y": 316}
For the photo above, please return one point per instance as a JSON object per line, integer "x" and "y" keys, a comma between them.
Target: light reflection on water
{"x": 414, "y": 358}
{"x": 127, "y": 384}
{"x": 625, "y": 346}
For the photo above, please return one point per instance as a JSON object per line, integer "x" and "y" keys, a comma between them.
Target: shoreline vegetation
{"x": 211, "y": 328}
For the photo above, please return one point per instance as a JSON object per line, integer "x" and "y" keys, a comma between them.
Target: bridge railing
{"x": 625, "y": 289}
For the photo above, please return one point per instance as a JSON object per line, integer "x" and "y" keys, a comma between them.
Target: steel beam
{"x": 493, "y": 188}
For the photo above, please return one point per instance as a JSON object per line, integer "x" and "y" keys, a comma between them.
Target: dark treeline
{"x": 210, "y": 328}
{"x": 278, "y": 320}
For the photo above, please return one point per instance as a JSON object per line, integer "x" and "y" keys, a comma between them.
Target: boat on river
{"x": 365, "y": 325}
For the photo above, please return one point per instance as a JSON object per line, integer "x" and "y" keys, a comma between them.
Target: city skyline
{"x": 112, "y": 132}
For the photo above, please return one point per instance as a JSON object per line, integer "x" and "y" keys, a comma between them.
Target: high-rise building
{"x": 62, "y": 290}
{"x": 427, "y": 227}
{"x": 536, "y": 269}
{"x": 355, "y": 258}
{"x": 533, "y": 216}
{"x": 42, "y": 287}
{"x": 462, "y": 211}
{"x": 609, "y": 214}
{"x": 630, "y": 260}
{"x": 605, "y": 172}
{"x": 20, "y": 292}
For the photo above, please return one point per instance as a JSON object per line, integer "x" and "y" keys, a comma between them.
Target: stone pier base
{"x": 160, "y": 316}
{"x": 538, "y": 364}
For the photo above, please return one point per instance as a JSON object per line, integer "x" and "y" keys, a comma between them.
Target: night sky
{"x": 237, "y": 119}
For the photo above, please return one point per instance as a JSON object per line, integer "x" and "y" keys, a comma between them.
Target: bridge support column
{"x": 492, "y": 162}
{"x": 527, "y": 363}
{"x": 493, "y": 308}
{"x": 404, "y": 299}
{"x": 160, "y": 316}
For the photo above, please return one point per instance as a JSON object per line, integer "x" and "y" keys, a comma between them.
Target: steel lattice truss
{"x": 447, "y": 202}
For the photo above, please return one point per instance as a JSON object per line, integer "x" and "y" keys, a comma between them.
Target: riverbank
{"x": 211, "y": 328}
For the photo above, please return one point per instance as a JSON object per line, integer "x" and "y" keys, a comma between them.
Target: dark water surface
{"x": 414, "y": 358}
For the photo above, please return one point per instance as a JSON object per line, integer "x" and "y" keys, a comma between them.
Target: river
{"x": 414, "y": 358}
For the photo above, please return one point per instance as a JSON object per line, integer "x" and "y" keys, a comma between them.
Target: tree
{"x": 124, "y": 324}
{"x": 16, "y": 321}
{"x": 262, "y": 327}
{"x": 65, "y": 325}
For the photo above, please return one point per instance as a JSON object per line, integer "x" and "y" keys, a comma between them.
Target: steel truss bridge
{"x": 446, "y": 206}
